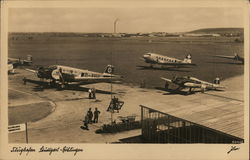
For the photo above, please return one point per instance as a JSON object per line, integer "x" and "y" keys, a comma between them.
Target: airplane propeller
{"x": 43, "y": 72}
{"x": 40, "y": 72}
{"x": 61, "y": 78}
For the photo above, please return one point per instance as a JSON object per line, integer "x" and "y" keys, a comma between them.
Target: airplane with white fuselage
{"x": 14, "y": 62}
{"x": 190, "y": 83}
{"x": 236, "y": 57}
{"x": 157, "y": 59}
{"x": 19, "y": 61}
{"x": 64, "y": 75}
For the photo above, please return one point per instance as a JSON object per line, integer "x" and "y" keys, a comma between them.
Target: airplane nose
{"x": 145, "y": 56}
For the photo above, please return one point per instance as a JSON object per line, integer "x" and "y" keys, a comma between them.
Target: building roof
{"x": 222, "y": 111}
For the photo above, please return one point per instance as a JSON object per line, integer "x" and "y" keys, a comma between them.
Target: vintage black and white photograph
{"x": 115, "y": 75}
{"x": 126, "y": 75}
{"x": 118, "y": 75}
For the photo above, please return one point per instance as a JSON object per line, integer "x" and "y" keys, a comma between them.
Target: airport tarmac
{"x": 125, "y": 54}
{"x": 65, "y": 109}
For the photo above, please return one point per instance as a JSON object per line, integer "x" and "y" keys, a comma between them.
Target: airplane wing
{"x": 96, "y": 78}
{"x": 31, "y": 70}
{"x": 13, "y": 59}
{"x": 165, "y": 79}
{"x": 175, "y": 63}
{"x": 208, "y": 86}
{"x": 19, "y": 61}
{"x": 222, "y": 56}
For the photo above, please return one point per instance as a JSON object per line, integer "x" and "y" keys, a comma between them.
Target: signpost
{"x": 19, "y": 128}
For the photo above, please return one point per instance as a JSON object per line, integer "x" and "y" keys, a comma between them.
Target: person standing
{"x": 86, "y": 122}
{"x": 96, "y": 115}
{"x": 90, "y": 115}
{"x": 24, "y": 80}
{"x": 90, "y": 94}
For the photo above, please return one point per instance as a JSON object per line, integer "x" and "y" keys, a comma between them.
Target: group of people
{"x": 89, "y": 117}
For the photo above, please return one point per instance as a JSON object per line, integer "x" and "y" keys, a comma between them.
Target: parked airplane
{"x": 64, "y": 75}
{"x": 11, "y": 68}
{"x": 186, "y": 82}
{"x": 154, "y": 58}
{"x": 19, "y": 61}
{"x": 236, "y": 57}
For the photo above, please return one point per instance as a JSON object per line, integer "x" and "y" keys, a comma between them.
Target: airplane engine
{"x": 29, "y": 58}
{"x": 217, "y": 80}
{"x": 109, "y": 69}
{"x": 44, "y": 73}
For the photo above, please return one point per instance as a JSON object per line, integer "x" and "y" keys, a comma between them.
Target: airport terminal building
{"x": 160, "y": 127}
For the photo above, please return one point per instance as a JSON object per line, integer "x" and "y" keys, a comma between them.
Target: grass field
{"x": 125, "y": 53}
{"x": 29, "y": 113}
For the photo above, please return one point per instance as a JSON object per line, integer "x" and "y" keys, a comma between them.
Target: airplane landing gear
{"x": 166, "y": 86}
{"x": 203, "y": 87}
{"x": 202, "y": 90}
{"x": 52, "y": 83}
{"x": 189, "y": 91}
{"x": 62, "y": 86}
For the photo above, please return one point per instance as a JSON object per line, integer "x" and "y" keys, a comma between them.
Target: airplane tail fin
{"x": 217, "y": 80}
{"x": 188, "y": 58}
{"x": 29, "y": 58}
{"x": 109, "y": 69}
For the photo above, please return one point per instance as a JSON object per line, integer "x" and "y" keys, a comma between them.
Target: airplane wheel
{"x": 190, "y": 91}
{"x": 203, "y": 91}
{"x": 62, "y": 86}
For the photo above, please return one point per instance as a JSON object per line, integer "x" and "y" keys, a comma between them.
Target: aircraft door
{"x": 55, "y": 74}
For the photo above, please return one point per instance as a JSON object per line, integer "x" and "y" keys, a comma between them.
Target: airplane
{"x": 11, "y": 68}
{"x": 19, "y": 61}
{"x": 190, "y": 83}
{"x": 236, "y": 57}
{"x": 62, "y": 76}
{"x": 154, "y": 58}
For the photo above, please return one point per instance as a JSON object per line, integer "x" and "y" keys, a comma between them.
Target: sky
{"x": 131, "y": 20}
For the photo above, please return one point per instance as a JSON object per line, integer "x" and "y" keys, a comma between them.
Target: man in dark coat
{"x": 90, "y": 115}
{"x": 96, "y": 115}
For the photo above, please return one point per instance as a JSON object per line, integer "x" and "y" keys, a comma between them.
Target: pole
{"x": 111, "y": 117}
{"x": 26, "y": 130}
{"x": 115, "y": 24}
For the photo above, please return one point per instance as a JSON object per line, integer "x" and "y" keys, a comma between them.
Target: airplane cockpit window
{"x": 53, "y": 67}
